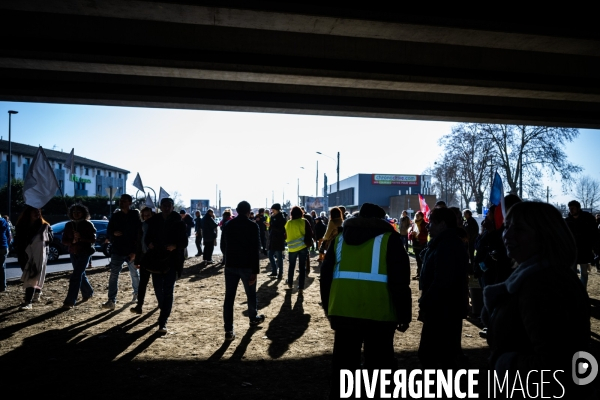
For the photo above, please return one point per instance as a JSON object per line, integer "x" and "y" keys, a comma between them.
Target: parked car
{"x": 56, "y": 248}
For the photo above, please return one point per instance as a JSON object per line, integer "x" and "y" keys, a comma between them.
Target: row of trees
{"x": 521, "y": 154}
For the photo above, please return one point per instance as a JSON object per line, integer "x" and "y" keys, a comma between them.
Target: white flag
{"x": 70, "y": 163}
{"x": 162, "y": 194}
{"x": 40, "y": 183}
{"x": 149, "y": 202}
{"x": 137, "y": 183}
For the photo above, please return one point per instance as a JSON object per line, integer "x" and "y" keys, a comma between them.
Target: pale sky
{"x": 249, "y": 156}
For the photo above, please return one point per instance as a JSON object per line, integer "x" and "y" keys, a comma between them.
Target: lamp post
{"x": 9, "y": 159}
{"x": 337, "y": 194}
{"x": 317, "y": 179}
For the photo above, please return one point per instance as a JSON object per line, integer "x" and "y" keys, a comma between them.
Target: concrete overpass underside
{"x": 304, "y": 58}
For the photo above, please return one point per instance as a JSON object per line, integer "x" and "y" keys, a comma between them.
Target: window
{"x": 109, "y": 174}
{"x": 59, "y": 166}
{"x": 99, "y": 190}
{"x": 87, "y": 171}
{"x": 120, "y": 176}
{"x": 27, "y": 160}
{"x": 98, "y": 172}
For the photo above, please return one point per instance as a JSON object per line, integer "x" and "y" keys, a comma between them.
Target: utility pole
{"x": 317, "y": 181}
{"x": 547, "y": 194}
{"x": 337, "y": 195}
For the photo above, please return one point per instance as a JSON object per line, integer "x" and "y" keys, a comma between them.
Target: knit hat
{"x": 369, "y": 210}
{"x": 276, "y": 206}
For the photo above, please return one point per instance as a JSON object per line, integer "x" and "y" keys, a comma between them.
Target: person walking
{"x": 365, "y": 292}
{"x": 418, "y": 235}
{"x": 299, "y": 238}
{"x": 276, "y": 241}
{"x": 166, "y": 241}
{"x": 209, "y": 235}
{"x": 444, "y": 297}
{"x": 188, "y": 221}
{"x": 585, "y": 231}
{"x": 140, "y": 252}
{"x": 5, "y": 236}
{"x": 79, "y": 236}
{"x": 242, "y": 245}
{"x": 33, "y": 234}
{"x": 261, "y": 221}
{"x": 472, "y": 228}
{"x": 198, "y": 233}
{"x": 403, "y": 227}
{"x": 122, "y": 232}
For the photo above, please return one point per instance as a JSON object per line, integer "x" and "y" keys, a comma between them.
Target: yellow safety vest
{"x": 295, "y": 234}
{"x": 359, "y": 287}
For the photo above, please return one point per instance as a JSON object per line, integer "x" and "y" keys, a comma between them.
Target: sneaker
{"x": 36, "y": 297}
{"x": 134, "y": 298}
{"x": 258, "y": 320}
{"x": 136, "y": 310}
{"x": 229, "y": 335}
{"x": 109, "y": 305}
{"x": 84, "y": 299}
{"x": 162, "y": 329}
{"x": 25, "y": 307}
{"x": 67, "y": 306}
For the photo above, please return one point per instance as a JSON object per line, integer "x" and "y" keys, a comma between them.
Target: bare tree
{"x": 445, "y": 180}
{"x": 524, "y": 153}
{"x": 473, "y": 159}
{"x": 587, "y": 191}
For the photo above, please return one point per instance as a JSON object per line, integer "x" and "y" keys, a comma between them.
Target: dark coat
{"x": 129, "y": 225}
{"x": 357, "y": 231}
{"x": 189, "y": 224}
{"x": 164, "y": 232}
{"x": 240, "y": 242}
{"x": 320, "y": 229}
{"x": 87, "y": 237}
{"x": 472, "y": 228}
{"x": 208, "y": 229}
{"x": 443, "y": 278}
{"x": 277, "y": 232}
{"x": 537, "y": 320}
{"x": 585, "y": 232}
{"x": 492, "y": 253}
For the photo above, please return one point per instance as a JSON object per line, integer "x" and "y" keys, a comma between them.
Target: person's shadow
{"x": 288, "y": 326}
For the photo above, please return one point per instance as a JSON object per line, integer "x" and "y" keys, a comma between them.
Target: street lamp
{"x": 317, "y": 180}
{"x": 9, "y": 160}
{"x": 337, "y": 194}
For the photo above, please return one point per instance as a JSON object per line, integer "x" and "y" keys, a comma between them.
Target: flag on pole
{"x": 497, "y": 199}
{"x": 40, "y": 183}
{"x": 424, "y": 208}
{"x": 162, "y": 194}
{"x": 149, "y": 202}
{"x": 137, "y": 183}
{"x": 70, "y": 163}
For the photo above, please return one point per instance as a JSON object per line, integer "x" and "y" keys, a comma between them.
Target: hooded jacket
{"x": 164, "y": 232}
{"x": 357, "y": 231}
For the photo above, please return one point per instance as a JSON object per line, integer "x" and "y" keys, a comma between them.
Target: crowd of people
{"x": 536, "y": 309}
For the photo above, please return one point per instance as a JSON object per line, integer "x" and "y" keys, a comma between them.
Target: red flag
{"x": 424, "y": 208}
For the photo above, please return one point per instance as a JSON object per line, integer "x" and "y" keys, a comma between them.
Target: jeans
{"x": 276, "y": 267}
{"x": 144, "y": 279}
{"x": 116, "y": 264}
{"x": 584, "y": 273}
{"x": 3, "y": 255}
{"x": 78, "y": 279}
{"x": 198, "y": 242}
{"x": 164, "y": 285}
{"x": 404, "y": 239}
{"x": 302, "y": 255}
{"x": 209, "y": 247}
{"x": 232, "y": 278}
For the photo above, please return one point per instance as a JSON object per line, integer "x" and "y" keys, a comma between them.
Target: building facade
{"x": 90, "y": 178}
{"x": 378, "y": 189}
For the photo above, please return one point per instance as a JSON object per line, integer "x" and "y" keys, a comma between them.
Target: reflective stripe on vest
{"x": 359, "y": 287}
{"x": 295, "y": 230}
{"x": 374, "y": 275}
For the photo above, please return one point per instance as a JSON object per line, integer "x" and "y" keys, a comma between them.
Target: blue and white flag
{"x": 40, "y": 183}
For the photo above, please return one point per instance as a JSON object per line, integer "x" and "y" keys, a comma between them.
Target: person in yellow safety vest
{"x": 365, "y": 292}
{"x": 299, "y": 233}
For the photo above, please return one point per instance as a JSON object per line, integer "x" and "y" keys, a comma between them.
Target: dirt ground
{"x": 88, "y": 352}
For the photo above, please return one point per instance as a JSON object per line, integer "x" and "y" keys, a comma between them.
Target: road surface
{"x": 98, "y": 260}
